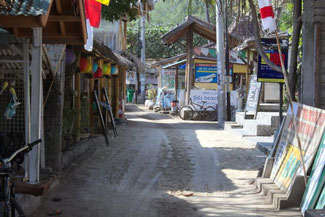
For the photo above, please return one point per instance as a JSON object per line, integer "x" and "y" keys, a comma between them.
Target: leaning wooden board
{"x": 253, "y": 96}
{"x": 287, "y": 164}
{"x": 316, "y": 181}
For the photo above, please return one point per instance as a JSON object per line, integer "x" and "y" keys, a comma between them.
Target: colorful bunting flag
{"x": 93, "y": 11}
{"x": 104, "y": 2}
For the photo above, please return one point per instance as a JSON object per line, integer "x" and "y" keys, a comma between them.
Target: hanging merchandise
{"x": 13, "y": 104}
{"x": 107, "y": 70}
{"x": 98, "y": 73}
{"x": 83, "y": 64}
{"x": 104, "y": 2}
{"x": 4, "y": 87}
{"x": 89, "y": 67}
{"x": 93, "y": 12}
{"x": 95, "y": 67}
{"x": 70, "y": 57}
{"x": 114, "y": 70}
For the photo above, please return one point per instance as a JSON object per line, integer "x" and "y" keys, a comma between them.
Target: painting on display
{"x": 310, "y": 123}
{"x": 316, "y": 180}
{"x": 168, "y": 78}
{"x": 206, "y": 73}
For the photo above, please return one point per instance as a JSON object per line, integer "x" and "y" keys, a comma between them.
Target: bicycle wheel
{"x": 210, "y": 113}
{"x": 185, "y": 112}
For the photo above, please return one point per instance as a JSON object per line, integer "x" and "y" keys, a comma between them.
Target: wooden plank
{"x": 319, "y": 19}
{"x": 43, "y": 19}
{"x": 319, "y": 4}
{"x": 317, "y": 36}
{"x": 319, "y": 12}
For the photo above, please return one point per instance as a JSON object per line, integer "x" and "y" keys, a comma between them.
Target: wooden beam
{"x": 56, "y": 18}
{"x": 83, "y": 21}
{"x": 44, "y": 18}
{"x": 11, "y": 21}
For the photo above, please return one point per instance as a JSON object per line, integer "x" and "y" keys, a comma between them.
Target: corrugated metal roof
{"x": 24, "y": 7}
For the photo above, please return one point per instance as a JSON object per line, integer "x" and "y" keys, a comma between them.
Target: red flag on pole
{"x": 93, "y": 10}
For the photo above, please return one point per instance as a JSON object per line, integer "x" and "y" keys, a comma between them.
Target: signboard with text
{"x": 265, "y": 73}
{"x": 206, "y": 73}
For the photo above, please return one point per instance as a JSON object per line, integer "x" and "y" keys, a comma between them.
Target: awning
{"x": 175, "y": 64}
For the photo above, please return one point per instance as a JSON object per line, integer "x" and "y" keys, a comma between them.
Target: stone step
{"x": 258, "y": 128}
{"x": 232, "y": 125}
{"x": 242, "y": 132}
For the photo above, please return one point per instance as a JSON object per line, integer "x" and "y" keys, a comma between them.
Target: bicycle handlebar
{"x": 27, "y": 148}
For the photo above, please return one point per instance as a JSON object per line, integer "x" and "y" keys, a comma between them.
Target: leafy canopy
{"x": 120, "y": 8}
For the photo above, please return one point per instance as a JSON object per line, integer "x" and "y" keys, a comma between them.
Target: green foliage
{"x": 285, "y": 22}
{"x": 152, "y": 93}
{"x": 120, "y": 8}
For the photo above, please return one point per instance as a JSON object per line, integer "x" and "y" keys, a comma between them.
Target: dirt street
{"x": 163, "y": 166}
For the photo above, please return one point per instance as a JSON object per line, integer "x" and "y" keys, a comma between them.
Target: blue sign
{"x": 206, "y": 73}
{"x": 265, "y": 73}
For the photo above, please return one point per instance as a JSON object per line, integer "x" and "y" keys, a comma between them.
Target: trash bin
{"x": 129, "y": 94}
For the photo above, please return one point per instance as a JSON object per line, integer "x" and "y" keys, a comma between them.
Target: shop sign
{"x": 206, "y": 73}
{"x": 211, "y": 96}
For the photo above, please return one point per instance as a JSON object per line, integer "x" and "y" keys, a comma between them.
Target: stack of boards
{"x": 287, "y": 161}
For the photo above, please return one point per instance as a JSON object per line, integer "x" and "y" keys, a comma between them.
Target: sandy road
{"x": 154, "y": 164}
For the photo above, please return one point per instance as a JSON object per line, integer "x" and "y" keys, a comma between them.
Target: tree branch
{"x": 258, "y": 40}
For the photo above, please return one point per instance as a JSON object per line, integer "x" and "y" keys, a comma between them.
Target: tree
{"x": 120, "y": 8}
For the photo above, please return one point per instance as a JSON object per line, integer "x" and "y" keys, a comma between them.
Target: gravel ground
{"x": 163, "y": 166}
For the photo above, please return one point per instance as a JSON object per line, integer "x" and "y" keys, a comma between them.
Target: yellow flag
{"x": 104, "y": 2}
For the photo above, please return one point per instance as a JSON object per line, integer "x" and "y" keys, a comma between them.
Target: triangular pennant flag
{"x": 205, "y": 51}
{"x": 104, "y": 2}
{"x": 93, "y": 11}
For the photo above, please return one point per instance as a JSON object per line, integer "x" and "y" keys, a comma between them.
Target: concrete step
{"x": 232, "y": 125}
{"x": 271, "y": 107}
{"x": 242, "y": 132}
{"x": 270, "y": 118}
{"x": 240, "y": 117}
{"x": 258, "y": 128}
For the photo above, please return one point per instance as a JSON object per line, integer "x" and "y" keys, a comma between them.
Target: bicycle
{"x": 208, "y": 113}
{"x": 8, "y": 203}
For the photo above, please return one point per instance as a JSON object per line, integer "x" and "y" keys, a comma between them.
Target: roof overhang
{"x": 63, "y": 23}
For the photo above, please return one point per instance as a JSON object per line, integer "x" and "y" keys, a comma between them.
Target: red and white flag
{"x": 267, "y": 15}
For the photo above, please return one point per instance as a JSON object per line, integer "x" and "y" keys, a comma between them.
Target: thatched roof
{"x": 200, "y": 27}
{"x": 242, "y": 29}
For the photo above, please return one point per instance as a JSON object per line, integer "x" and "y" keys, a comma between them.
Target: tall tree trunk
{"x": 207, "y": 14}
{"x": 294, "y": 47}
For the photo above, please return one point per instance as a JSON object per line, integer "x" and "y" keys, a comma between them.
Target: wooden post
{"x": 124, "y": 90}
{"x": 90, "y": 101}
{"x": 317, "y": 56}
{"x": 77, "y": 101}
{"x": 36, "y": 105}
{"x": 176, "y": 82}
{"x": 248, "y": 70}
{"x": 189, "y": 64}
{"x": 26, "y": 90}
{"x": 117, "y": 92}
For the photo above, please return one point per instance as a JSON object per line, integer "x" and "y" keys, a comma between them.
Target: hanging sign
{"x": 206, "y": 73}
